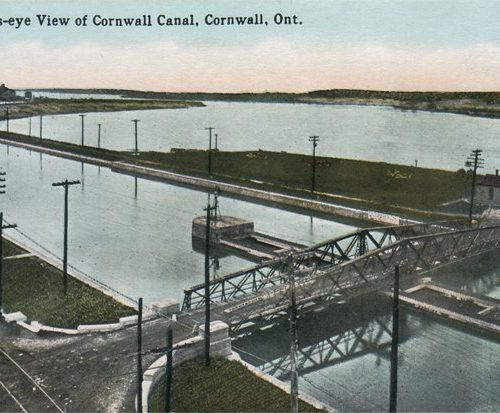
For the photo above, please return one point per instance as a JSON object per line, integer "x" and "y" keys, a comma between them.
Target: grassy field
{"x": 377, "y": 184}
{"x": 35, "y": 288}
{"x": 226, "y": 386}
{"x": 65, "y": 106}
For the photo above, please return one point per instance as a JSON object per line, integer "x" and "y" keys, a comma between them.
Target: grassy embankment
{"x": 376, "y": 185}
{"x": 485, "y": 104}
{"x": 48, "y": 106}
{"x": 226, "y": 386}
{"x": 35, "y": 288}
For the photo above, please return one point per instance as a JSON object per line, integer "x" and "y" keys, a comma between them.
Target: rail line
{"x": 32, "y": 381}
{"x": 18, "y": 403}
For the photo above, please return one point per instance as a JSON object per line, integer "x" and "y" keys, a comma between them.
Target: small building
{"x": 488, "y": 190}
{"x": 7, "y": 94}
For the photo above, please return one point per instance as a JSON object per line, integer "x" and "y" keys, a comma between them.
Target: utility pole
{"x": 7, "y": 117}
{"x": 394, "y": 343}
{"x": 168, "y": 371}
{"x": 475, "y": 162}
{"x": 294, "y": 379}
{"x": 2, "y": 227}
{"x": 98, "y": 136}
{"x": 83, "y": 129}
{"x": 41, "y": 126}
{"x": 209, "y": 210}
{"x": 2, "y": 182}
{"x": 216, "y": 146}
{"x": 314, "y": 140}
{"x": 139, "y": 357}
{"x": 210, "y": 129}
{"x": 65, "y": 184}
{"x": 136, "y": 151}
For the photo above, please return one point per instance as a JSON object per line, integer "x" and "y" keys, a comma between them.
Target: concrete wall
{"x": 207, "y": 184}
{"x": 483, "y": 195}
{"x": 272, "y": 197}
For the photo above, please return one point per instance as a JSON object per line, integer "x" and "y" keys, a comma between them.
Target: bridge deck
{"x": 260, "y": 247}
{"x": 471, "y": 310}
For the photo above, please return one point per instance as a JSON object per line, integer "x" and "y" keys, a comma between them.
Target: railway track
{"x": 20, "y": 391}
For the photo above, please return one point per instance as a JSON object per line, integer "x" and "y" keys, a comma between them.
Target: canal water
{"x": 140, "y": 246}
{"x": 344, "y": 360}
{"x": 438, "y": 140}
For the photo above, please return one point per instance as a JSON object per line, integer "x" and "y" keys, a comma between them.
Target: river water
{"x": 437, "y": 140}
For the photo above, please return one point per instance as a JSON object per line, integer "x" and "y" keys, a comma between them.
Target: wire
{"x": 80, "y": 272}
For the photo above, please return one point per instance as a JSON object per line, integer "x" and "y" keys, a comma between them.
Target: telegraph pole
{"x": 83, "y": 129}
{"x": 314, "y": 140}
{"x": 2, "y": 227}
{"x": 136, "y": 151}
{"x": 41, "y": 126}
{"x": 294, "y": 379}
{"x": 98, "y": 136}
{"x": 65, "y": 184}
{"x": 475, "y": 162}
{"x": 209, "y": 210}
{"x": 394, "y": 344}
{"x": 2, "y": 182}
{"x": 210, "y": 129}
{"x": 168, "y": 371}
{"x": 139, "y": 357}
{"x": 7, "y": 118}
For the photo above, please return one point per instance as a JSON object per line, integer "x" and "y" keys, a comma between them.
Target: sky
{"x": 438, "y": 45}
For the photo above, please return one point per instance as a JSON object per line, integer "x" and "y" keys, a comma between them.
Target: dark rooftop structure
{"x": 6, "y": 93}
{"x": 490, "y": 180}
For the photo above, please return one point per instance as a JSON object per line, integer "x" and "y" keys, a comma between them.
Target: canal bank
{"x": 33, "y": 294}
{"x": 114, "y": 161}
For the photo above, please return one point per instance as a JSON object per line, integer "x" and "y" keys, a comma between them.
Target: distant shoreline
{"x": 49, "y": 106}
{"x": 478, "y": 104}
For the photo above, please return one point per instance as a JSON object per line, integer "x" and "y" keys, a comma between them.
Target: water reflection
{"x": 327, "y": 337}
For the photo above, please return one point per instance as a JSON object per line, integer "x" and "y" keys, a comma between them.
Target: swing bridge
{"x": 336, "y": 270}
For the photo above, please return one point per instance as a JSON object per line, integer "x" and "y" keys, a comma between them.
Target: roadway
{"x": 94, "y": 372}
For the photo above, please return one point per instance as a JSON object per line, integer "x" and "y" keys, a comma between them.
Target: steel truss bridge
{"x": 339, "y": 269}
{"x": 320, "y": 256}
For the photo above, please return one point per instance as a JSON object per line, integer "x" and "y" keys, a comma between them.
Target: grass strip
{"x": 35, "y": 288}
{"x": 226, "y": 386}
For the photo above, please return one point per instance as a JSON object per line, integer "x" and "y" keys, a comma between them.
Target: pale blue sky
{"x": 362, "y": 35}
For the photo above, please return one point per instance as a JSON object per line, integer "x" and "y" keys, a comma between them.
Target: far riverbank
{"x": 481, "y": 104}
{"x": 46, "y": 106}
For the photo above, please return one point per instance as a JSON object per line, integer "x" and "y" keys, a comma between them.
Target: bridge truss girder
{"x": 318, "y": 257}
{"x": 368, "y": 272}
